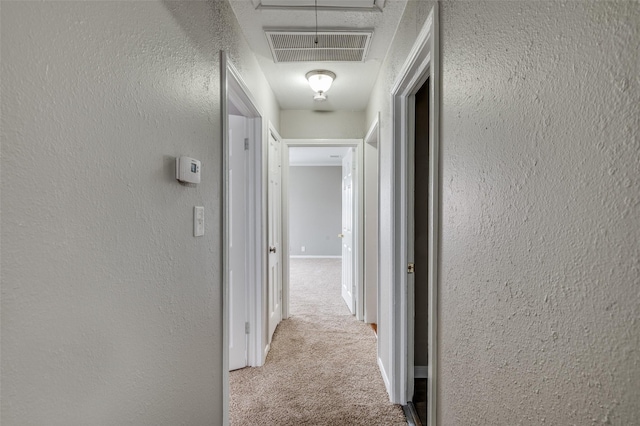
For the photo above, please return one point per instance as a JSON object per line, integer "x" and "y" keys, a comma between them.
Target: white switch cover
{"x": 198, "y": 221}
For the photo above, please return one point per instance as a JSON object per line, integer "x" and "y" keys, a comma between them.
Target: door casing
{"x": 358, "y": 240}
{"x": 422, "y": 63}
{"x": 371, "y": 248}
{"x": 235, "y": 95}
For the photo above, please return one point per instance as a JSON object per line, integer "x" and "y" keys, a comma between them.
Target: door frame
{"x": 373, "y": 138}
{"x": 234, "y": 90}
{"x": 421, "y": 64}
{"x": 358, "y": 241}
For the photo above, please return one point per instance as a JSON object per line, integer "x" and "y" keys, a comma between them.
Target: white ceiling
{"x": 317, "y": 156}
{"x": 354, "y": 81}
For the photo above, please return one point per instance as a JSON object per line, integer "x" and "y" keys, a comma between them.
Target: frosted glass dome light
{"x": 320, "y": 82}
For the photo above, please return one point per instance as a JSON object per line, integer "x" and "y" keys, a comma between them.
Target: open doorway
{"x": 421, "y": 220}
{"x": 315, "y": 202}
{"x": 318, "y": 216}
{"x": 416, "y": 91}
{"x": 244, "y": 211}
{"x": 324, "y": 219}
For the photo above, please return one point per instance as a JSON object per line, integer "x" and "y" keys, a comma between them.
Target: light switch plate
{"x": 198, "y": 221}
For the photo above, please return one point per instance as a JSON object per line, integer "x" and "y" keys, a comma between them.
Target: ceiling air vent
{"x": 332, "y": 46}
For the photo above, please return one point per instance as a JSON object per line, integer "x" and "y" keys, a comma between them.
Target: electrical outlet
{"x": 303, "y": 249}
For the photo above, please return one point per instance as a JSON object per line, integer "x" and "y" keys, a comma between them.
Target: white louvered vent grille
{"x": 333, "y": 46}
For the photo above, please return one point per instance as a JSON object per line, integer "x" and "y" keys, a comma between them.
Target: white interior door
{"x": 348, "y": 171}
{"x": 237, "y": 242}
{"x": 274, "y": 234}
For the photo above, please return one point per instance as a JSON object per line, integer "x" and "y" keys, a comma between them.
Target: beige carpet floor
{"x": 321, "y": 369}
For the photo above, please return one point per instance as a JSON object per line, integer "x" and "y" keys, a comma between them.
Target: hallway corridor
{"x": 322, "y": 367}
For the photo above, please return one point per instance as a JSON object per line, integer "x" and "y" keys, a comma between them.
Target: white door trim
{"x": 373, "y": 138}
{"x": 358, "y": 241}
{"x": 422, "y": 63}
{"x": 234, "y": 90}
{"x": 373, "y": 134}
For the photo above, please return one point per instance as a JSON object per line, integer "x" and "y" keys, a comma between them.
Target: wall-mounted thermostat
{"x": 187, "y": 170}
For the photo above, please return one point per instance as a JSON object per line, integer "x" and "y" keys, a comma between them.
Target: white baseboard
{"x": 421, "y": 372}
{"x": 387, "y": 384}
{"x": 315, "y": 257}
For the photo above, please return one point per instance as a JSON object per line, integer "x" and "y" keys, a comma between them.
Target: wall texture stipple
{"x": 111, "y": 310}
{"x": 540, "y": 262}
{"x": 540, "y": 213}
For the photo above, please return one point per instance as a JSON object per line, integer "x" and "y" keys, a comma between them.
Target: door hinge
{"x": 246, "y": 144}
{"x": 247, "y": 328}
{"x": 411, "y": 268}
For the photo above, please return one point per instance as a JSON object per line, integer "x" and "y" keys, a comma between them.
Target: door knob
{"x": 272, "y": 249}
{"x": 340, "y": 235}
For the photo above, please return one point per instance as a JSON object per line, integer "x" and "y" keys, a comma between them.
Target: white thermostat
{"x": 187, "y": 170}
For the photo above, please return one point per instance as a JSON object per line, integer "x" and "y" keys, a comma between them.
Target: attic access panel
{"x": 332, "y": 46}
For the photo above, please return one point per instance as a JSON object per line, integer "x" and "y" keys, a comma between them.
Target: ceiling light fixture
{"x": 320, "y": 82}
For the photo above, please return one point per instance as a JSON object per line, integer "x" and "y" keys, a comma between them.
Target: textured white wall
{"x": 299, "y": 124}
{"x": 111, "y": 309}
{"x": 540, "y": 267}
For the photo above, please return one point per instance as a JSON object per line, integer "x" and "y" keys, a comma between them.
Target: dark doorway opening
{"x": 421, "y": 250}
